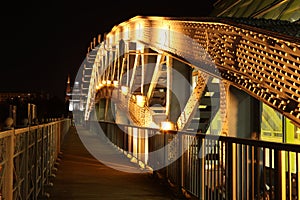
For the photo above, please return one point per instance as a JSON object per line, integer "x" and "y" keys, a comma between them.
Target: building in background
{"x": 73, "y": 101}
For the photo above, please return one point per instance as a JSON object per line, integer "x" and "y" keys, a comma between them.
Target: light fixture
{"x": 202, "y": 106}
{"x": 140, "y": 100}
{"x": 167, "y": 126}
{"x": 215, "y": 80}
{"x": 124, "y": 90}
{"x": 116, "y": 83}
{"x": 209, "y": 94}
{"x": 71, "y": 106}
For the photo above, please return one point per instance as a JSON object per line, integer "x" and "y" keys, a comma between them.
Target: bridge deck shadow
{"x": 80, "y": 175}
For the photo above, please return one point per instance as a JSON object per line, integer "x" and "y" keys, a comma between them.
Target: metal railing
{"x": 27, "y": 158}
{"x": 212, "y": 166}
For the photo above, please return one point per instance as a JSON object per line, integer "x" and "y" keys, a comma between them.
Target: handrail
{"x": 27, "y": 159}
{"x": 211, "y": 166}
{"x": 246, "y": 141}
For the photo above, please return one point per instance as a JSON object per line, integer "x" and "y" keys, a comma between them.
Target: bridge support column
{"x": 109, "y": 110}
{"x": 104, "y": 110}
{"x": 243, "y": 113}
{"x": 243, "y": 120}
{"x": 180, "y": 89}
{"x": 224, "y": 98}
{"x": 150, "y": 61}
{"x": 101, "y": 109}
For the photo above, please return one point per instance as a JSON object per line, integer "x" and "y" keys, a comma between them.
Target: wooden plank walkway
{"x": 81, "y": 176}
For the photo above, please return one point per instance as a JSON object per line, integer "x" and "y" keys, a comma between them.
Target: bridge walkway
{"x": 79, "y": 175}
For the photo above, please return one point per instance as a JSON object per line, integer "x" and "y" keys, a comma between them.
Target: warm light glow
{"x": 110, "y": 38}
{"x": 126, "y": 32}
{"x": 202, "y": 106}
{"x": 124, "y": 90}
{"x": 163, "y": 36}
{"x": 215, "y": 80}
{"x": 116, "y": 83}
{"x": 139, "y": 28}
{"x": 71, "y": 106}
{"x": 140, "y": 47}
{"x": 140, "y": 100}
{"x": 209, "y": 94}
{"x": 167, "y": 126}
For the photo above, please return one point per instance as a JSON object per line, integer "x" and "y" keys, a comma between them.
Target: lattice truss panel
{"x": 264, "y": 64}
{"x": 189, "y": 109}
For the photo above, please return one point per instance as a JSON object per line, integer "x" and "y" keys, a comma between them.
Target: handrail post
{"x": 278, "y": 175}
{"x": 201, "y": 161}
{"x": 25, "y": 167}
{"x": 36, "y": 163}
{"x": 58, "y": 136}
{"x": 229, "y": 175}
{"x": 179, "y": 165}
{"x": 8, "y": 177}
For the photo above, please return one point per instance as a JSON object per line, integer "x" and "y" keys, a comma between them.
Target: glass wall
{"x": 271, "y": 124}
{"x": 277, "y": 128}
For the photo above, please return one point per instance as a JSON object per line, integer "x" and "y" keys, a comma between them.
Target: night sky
{"x": 44, "y": 41}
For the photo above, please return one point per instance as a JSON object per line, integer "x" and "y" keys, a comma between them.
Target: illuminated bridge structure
{"x": 262, "y": 63}
{"x": 211, "y": 84}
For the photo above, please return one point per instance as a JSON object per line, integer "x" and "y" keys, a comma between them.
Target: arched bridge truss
{"x": 264, "y": 64}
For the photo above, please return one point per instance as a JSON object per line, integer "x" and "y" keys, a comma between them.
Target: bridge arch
{"x": 261, "y": 63}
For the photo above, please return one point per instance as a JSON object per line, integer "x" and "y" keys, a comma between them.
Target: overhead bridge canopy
{"x": 262, "y": 63}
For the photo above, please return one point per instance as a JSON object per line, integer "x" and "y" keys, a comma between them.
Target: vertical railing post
{"x": 258, "y": 175}
{"x": 36, "y": 164}
{"x": 234, "y": 170}
{"x": 43, "y": 180}
{"x": 25, "y": 167}
{"x": 229, "y": 175}
{"x": 58, "y": 136}
{"x": 201, "y": 160}
{"x": 179, "y": 165}
{"x": 164, "y": 170}
{"x": 48, "y": 152}
{"x": 278, "y": 175}
{"x": 8, "y": 176}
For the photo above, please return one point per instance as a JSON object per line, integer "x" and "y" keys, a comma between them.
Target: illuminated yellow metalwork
{"x": 140, "y": 100}
{"x": 261, "y": 63}
{"x": 186, "y": 115}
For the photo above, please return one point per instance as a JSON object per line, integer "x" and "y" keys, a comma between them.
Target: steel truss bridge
{"x": 151, "y": 74}
{"x": 262, "y": 63}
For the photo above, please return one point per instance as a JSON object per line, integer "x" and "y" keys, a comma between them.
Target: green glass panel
{"x": 291, "y": 132}
{"x": 292, "y": 136}
{"x": 271, "y": 124}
